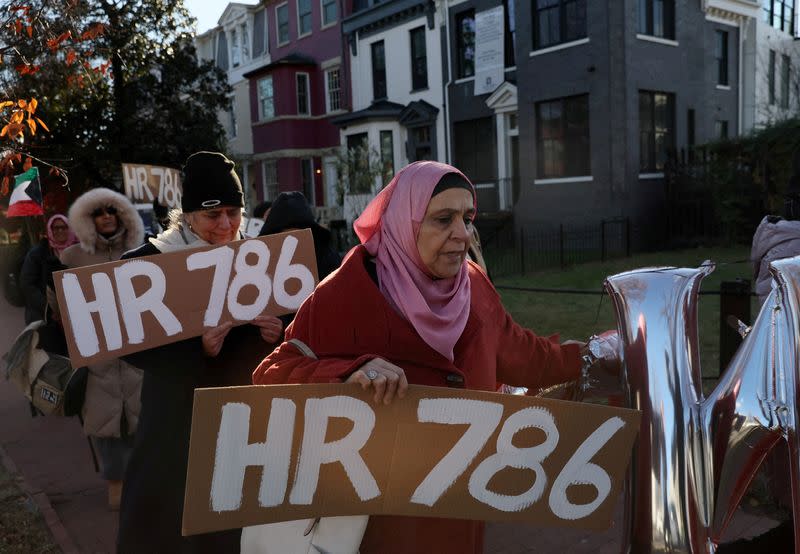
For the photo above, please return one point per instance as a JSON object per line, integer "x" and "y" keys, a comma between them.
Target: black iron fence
{"x": 509, "y": 250}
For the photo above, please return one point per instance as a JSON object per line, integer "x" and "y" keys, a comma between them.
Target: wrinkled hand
{"x": 214, "y": 338}
{"x": 389, "y": 379}
{"x": 270, "y": 327}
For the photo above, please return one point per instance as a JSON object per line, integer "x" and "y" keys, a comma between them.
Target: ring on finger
{"x": 372, "y": 374}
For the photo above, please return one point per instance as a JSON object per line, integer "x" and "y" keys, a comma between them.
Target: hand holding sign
{"x": 127, "y": 306}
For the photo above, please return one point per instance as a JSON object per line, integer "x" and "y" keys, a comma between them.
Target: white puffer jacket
{"x": 114, "y": 387}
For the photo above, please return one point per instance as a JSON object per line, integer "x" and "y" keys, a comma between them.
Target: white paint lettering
{"x": 234, "y": 454}
{"x": 80, "y": 311}
{"x": 152, "y": 300}
{"x": 315, "y": 452}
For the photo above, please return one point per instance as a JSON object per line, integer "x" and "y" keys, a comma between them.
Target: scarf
{"x": 438, "y": 309}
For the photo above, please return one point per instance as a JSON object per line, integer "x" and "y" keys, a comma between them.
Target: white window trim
{"x": 327, "y": 89}
{"x": 723, "y": 87}
{"x": 560, "y": 180}
{"x": 261, "y": 116}
{"x": 657, "y": 40}
{"x": 463, "y": 80}
{"x": 278, "y": 25}
{"x": 722, "y": 20}
{"x": 308, "y": 92}
{"x": 557, "y": 47}
{"x": 324, "y": 25}
{"x": 297, "y": 16}
{"x": 233, "y": 32}
{"x": 656, "y": 175}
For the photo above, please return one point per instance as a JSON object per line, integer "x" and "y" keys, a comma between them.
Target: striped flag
{"x": 26, "y": 198}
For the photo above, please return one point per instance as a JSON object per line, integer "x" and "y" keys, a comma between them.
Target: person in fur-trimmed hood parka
{"x": 107, "y": 225}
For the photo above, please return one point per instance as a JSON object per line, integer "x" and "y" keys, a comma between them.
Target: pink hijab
{"x": 59, "y": 247}
{"x": 437, "y": 308}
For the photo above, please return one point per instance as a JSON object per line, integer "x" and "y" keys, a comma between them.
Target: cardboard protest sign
{"x": 143, "y": 183}
{"x": 263, "y": 454}
{"x": 252, "y": 226}
{"x": 126, "y": 306}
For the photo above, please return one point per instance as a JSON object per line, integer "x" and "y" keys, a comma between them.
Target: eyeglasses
{"x": 110, "y": 210}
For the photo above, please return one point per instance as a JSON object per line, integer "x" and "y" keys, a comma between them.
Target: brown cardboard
{"x": 187, "y": 294}
{"x": 143, "y": 183}
{"x": 400, "y": 453}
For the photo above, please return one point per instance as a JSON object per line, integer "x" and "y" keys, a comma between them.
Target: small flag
{"x": 26, "y": 198}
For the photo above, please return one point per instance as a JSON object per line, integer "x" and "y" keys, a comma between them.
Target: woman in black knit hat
{"x": 152, "y": 500}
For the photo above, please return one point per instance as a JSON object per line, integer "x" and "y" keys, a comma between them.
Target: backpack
{"x": 46, "y": 379}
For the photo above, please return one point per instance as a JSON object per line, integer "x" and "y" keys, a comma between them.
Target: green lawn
{"x": 579, "y": 316}
{"x": 22, "y": 529}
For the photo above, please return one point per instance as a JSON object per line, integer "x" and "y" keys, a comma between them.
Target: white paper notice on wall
{"x": 263, "y": 454}
{"x": 489, "y": 50}
{"x": 122, "y": 307}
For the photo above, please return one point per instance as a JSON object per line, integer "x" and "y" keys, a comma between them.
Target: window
{"x": 234, "y": 128}
{"x": 465, "y": 44}
{"x": 419, "y": 59}
{"x": 303, "y": 100}
{"x": 785, "y": 74}
{"x": 235, "y": 59}
{"x": 303, "y": 17}
{"x": 771, "y": 77}
{"x": 259, "y": 33}
{"x": 282, "y": 21}
{"x": 779, "y": 14}
{"x": 510, "y": 32}
{"x": 378, "y": 71}
{"x": 269, "y": 174}
{"x": 690, "y": 128}
{"x": 330, "y": 12}
{"x": 358, "y": 164}
{"x": 657, "y": 18}
{"x": 333, "y": 91}
{"x": 474, "y": 148}
{"x": 721, "y": 129}
{"x": 245, "y": 42}
{"x": 656, "y": 129}
{"x": 222, "y": 51}
{"x": 422, "y": 148}
{"x": 721, "y": 55}
{"x": 558, "y": 21}
{"x": 266, "y": 100}
{"x": 562, "y": 128}
{"x": 387, "y": 156}
{"x": 307, "y": 179}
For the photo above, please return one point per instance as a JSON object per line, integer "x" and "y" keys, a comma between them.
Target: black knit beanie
{"x": 209, "y": 181}
{"x": 452, "y": 181}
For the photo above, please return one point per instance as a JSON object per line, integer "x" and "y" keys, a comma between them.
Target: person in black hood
{"x": 290, "y": 210}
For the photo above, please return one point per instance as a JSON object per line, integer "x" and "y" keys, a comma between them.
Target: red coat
{"x": 347, "y": 321}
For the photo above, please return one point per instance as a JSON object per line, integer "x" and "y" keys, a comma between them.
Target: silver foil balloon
{"x": 696, "y": 456}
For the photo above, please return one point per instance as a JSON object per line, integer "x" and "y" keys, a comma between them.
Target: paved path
{"x": 53, "y": 456}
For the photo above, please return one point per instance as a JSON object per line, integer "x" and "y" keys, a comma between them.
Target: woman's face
{"x": 105, "y": 220}
{"x": 445, "y": 232}
{"x": 60, "y": 231}
{"x": 217, "y": 225}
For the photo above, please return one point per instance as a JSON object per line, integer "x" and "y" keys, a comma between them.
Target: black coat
{"x": 38, "y": 264}
{"x": 152, "y": 499}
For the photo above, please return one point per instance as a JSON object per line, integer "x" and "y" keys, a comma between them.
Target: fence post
{"x": 628, "y": 237}
{"x": 603, "y": 240}
{"x": 561, "y": 244}
{"x": 734, "y": 300}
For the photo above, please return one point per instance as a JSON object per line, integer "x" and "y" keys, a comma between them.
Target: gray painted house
{"x": 603, "y": 89}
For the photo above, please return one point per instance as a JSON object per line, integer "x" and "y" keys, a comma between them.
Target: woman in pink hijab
{"x": 407, "y": 306}
{"x": 39, "y": 262}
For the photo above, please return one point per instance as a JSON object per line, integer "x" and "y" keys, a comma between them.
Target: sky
{"x": 207, "y": 12}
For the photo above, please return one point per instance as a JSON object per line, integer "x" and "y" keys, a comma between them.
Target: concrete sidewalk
{"x": 53, "y": 456}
